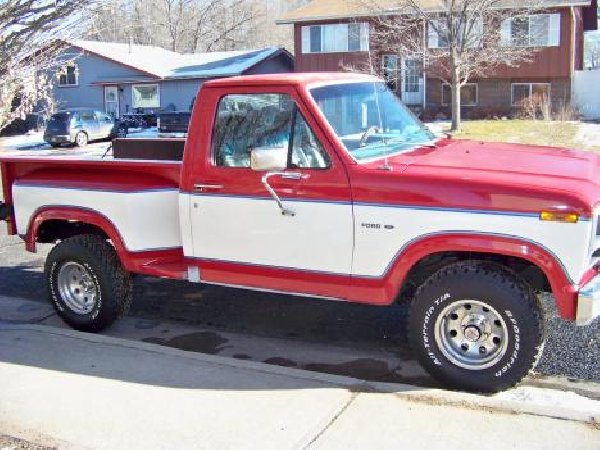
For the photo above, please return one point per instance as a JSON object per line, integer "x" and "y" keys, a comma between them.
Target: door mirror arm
{"x": 285, "y": 175}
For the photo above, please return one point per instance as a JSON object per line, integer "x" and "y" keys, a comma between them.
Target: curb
{"x": 527, "y": 400}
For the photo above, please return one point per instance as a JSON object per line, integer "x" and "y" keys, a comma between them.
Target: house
{"x": 331, "y": 35}
{"x": 123, "y": 78}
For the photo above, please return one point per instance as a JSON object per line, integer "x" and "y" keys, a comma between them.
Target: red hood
{"x": 472, "y": 174}
{"x": 514, "y": 159}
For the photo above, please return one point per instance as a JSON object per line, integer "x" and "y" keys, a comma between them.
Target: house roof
{"x": 341, "y": 9}
{"x": 159, "y": 63}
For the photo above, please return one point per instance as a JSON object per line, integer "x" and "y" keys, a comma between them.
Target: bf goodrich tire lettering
{"x": 476, "y": 326}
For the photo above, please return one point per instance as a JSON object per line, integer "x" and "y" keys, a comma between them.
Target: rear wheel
{"x": 87, "y": 284}
{"x": 476, "y": 326}
{"x": 81, "y": 139}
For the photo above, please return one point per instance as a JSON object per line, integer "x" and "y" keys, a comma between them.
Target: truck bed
{"x": 139, "y": 196}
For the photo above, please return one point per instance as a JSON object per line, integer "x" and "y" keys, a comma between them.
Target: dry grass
{"x": 537, "y": 132}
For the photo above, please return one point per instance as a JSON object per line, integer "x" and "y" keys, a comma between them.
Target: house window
{"x": 390, "y": 70}
{"x": 538, "y": 30}
{"x": 69, "y": 75}
{"x": 146, "y": 95}
{"x": 468, "y": 94}
{"x": 335, "y": 38}
{"x": 437, "y": 34}
{"x": 523, "y": 91}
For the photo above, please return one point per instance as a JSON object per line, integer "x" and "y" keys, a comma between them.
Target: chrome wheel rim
{"x": 77, "y": 288}
{"x": 471, "y": 334}
{"x": 81, "y": 139}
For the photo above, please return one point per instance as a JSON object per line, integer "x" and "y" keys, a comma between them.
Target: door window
{"x": 248, "y": 121}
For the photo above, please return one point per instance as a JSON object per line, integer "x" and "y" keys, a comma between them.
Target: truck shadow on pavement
{"x": 279, "y": 327}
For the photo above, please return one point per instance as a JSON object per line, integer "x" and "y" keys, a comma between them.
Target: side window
{"x": 86, "y": 116}
{"x": 307, "y": 151}
{"x": 247, "y": 121}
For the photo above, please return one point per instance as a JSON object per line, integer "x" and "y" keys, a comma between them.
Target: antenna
{"x": 385, "y": 165}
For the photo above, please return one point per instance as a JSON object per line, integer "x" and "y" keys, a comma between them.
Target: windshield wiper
{"x": 366, "y": 134}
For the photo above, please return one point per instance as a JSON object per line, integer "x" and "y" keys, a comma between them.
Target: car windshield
{"x": 370, "y": 120}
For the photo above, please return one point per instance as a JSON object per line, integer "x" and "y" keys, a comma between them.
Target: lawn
{"x": 538, "y": 132}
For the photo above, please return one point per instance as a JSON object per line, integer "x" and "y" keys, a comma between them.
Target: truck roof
{"x": 289, "y": 79}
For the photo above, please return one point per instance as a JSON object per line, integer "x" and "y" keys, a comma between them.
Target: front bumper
{"x": 58, "y": 139}
{"x": 588, "y": 302}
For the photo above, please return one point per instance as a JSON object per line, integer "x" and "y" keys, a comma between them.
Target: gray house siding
{"x": 92, "y": 70}
{"x": 278, "y": 64}
{"x": 179, "y": 92}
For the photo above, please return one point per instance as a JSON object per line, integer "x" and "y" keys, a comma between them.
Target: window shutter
{"x": 554, "y": 30}
{"x": 305, "y": 39}
{"x": 505, "y": 33}
{"x": 432, "y": 36}
{"x": 364, "y": 37}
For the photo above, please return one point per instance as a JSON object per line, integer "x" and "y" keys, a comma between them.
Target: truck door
{"x": 297, "y": 215}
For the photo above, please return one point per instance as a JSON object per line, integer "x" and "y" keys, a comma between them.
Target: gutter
{"x": 397, "y": 11}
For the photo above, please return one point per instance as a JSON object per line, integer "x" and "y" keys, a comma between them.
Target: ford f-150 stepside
{"x": 325, "y": 185}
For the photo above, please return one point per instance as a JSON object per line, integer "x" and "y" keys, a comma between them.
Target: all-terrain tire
{"x": 484, "y": 290}
{"x": 111, "y": 283}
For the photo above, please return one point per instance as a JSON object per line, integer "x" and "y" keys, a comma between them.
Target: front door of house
{"x": 412, "y": 83}
{"x": 111, "y": 100}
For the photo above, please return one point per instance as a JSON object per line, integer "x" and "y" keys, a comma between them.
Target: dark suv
{"x": 78, "y": 126}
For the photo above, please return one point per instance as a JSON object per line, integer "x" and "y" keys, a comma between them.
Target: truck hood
{"x": 508, "y": 160}
{"x": 478, "y": 175}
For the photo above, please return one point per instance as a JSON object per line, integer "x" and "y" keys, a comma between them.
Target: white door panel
{"x": 247, "y": 230}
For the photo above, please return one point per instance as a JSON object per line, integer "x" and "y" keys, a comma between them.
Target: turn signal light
{"x": 559, "y": 217}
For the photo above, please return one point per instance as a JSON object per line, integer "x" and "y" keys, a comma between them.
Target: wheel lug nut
{"x": 464, "y": 347}
{"x": 482, "y": 350}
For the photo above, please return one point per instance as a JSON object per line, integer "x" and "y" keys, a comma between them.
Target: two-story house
{"x": 334, "y": 35}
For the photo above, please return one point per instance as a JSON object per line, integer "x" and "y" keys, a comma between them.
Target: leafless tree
{"x": 186, "y": 26}
{"x": 457, "y": 40}
{"x": 30, "y": 52}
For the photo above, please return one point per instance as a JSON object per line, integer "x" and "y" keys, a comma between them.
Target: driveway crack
{"x": 333, "y": 420}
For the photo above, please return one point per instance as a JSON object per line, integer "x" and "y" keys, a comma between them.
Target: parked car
{"x": 366, "y": 206}
{"x": 78, "y": 126}
{"x": 172, "y": 122}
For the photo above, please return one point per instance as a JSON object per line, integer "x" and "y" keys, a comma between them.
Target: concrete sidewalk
{"x": 68, "y": 389}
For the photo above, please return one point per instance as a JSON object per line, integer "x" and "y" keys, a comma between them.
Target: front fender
{"x": 563, "y": 288}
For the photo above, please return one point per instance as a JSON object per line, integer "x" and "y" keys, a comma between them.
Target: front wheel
{"x": 476, "y": 326}
{"x": 87, "y": 284}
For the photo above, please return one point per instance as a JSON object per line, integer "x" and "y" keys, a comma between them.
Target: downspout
{"x": 423, "y": 66}
{"x": 572, "y": 74}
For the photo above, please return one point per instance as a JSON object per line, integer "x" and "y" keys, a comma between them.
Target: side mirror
{"x": 268, "y": 158}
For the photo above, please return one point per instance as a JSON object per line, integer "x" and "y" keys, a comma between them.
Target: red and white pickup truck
{"x": 325, "y": 185}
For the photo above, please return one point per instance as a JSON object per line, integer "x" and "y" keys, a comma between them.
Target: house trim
{"x": 398, "y": 11}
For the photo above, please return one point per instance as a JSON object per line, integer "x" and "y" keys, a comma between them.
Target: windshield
{"x": 369, "y": 119}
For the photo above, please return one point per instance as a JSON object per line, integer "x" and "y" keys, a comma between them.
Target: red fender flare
{"x": 78, "y": 214}
{"x": 563, "y": 288}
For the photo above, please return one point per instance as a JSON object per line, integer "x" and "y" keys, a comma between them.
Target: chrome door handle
{"x": 293, "y": 175}
{"x": 207, "y": 187}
